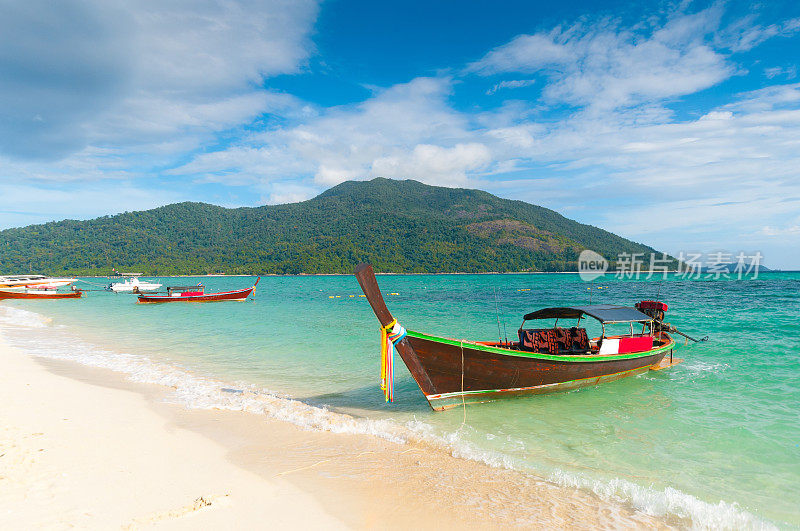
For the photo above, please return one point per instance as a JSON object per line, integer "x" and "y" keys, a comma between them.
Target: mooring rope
{"x": 92, "y": 283}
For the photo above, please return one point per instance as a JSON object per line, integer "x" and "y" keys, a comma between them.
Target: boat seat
{"x": 538, "y": 340}
{"x": 580, "y": 339}
{"x": 554, "y": 340}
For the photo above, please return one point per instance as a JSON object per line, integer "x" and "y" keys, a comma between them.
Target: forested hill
{"x": 398, "y": 226}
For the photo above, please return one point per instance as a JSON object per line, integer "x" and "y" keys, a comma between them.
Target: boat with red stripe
{"x": 40, "y": 294}
{"x": 197, "y": 294}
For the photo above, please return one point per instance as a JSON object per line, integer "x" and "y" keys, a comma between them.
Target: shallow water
{"x": 715, "y": 439}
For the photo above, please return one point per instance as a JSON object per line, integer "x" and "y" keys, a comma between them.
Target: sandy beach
{"x": 85, "y": 447}
{"x": 75, "y": 454}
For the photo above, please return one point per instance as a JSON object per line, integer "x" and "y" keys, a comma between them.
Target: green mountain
{"x": 398, "y": 226}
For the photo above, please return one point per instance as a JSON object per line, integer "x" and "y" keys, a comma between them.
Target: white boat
{"x": 133, "y": 285}
{"x": 33, "y": 281}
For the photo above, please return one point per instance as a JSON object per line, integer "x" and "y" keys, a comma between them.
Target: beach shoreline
{"x": 180, "y": 467}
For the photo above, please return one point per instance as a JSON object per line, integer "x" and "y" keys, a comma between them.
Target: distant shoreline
{"x": 350, "y": 274}
{"x": 608, "y": 273}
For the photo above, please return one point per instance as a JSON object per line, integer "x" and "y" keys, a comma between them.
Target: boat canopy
{"x": 605, "y": 313}
{"x": 198, "y": 287}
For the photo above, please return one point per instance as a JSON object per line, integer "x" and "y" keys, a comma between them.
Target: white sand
{"x": 79, "y": 455}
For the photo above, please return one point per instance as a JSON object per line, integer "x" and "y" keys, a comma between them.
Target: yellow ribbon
{"x": 385, "y": 331}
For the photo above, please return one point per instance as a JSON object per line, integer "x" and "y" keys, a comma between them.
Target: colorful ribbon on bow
{"x": 390, "y": 335}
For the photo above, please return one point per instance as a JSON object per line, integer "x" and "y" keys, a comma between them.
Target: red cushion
{"x": 652, "y": 305}
{"x": 635, "y": 344}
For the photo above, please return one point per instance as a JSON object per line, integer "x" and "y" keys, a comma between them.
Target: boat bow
{"x": 369, "y": 285}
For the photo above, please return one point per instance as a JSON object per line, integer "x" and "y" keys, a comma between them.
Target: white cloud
{"x": 241, "y": 165}
{"x": 526, "y": 53}
{"x": 25, "y": 204}
{"x": 741, "y": 142}
{"x": 511, "y": 84}
{"x": 603, "y": 66}
{"x": 125, "y": 75}
{"x": 90, "y": 164}
{"x": 289, "y": 192}
{"x": 768, "y": 98}
{"x": 437, "y": 164}
{"x": 793, "y": 230}
{"x": 743, "y": 35}
{"x": 790, "y": 72}
{"x": 215, "y": 48}
{"x": 406, "y": 131}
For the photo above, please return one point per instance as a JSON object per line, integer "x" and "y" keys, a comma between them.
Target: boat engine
{"x": 655, "y": 309}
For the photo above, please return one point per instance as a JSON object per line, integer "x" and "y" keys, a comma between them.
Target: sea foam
{"x": 16, "y": 317}
{"x": 667, "y": 502}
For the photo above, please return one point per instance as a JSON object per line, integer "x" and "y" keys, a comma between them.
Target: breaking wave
{"x": 15, "y": 317}
{"x": 668, "y": 502}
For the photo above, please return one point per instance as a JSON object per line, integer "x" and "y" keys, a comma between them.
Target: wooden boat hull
{"x": 40, "y": 296}
{"x": 237, "y": 295}
{"x": 491, "y": 373}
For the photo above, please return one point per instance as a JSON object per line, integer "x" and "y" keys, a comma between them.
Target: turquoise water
{"x": 715, "y": 439}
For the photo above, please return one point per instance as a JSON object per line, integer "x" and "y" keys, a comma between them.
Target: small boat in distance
{"x": 33, "y": 281}
{"x": 451, "y": 372}
{"x": 133, "y": 285}
{"x": 197, "y": 294}
{"x": 119, "y": 274}
{"x": 38, "y": 294}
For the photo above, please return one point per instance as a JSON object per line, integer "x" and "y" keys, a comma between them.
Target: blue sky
{"x": 676, "y": 124}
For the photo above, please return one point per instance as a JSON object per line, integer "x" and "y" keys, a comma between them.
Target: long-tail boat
{"x": 197, "y": 294}
{"x": 33, "y": 281}
{"x": 39, "y": 294}
{"x": 451, "y": 372}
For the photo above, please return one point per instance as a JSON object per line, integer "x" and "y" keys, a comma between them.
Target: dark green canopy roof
{"x": 605, "y": 313}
